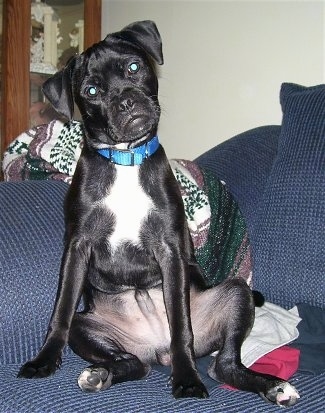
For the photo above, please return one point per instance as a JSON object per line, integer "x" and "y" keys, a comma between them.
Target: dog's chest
{"x": 129, "y": 204}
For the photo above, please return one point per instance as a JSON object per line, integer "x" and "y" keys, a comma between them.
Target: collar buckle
{"x": 120, "y": 153}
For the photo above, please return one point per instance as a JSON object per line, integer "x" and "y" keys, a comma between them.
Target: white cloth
{"x": 273, "y": 327}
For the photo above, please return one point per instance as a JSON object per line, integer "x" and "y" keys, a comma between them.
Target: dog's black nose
{"x": 126, "y": 105}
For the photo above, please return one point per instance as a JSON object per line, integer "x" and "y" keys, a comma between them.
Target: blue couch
{"x": 277, "y": 175}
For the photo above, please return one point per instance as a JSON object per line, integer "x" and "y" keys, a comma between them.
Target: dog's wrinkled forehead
{"x": 110, "y": 54}
{"x": 140, "y": 39}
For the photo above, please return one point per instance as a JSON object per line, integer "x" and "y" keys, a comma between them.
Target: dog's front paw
{"x": 39, "y": 368}
{"x": 188, "y": 388}
{"x": 283, "y": 394}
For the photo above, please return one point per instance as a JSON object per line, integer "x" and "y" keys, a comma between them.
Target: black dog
{"x": 127, "y": 246}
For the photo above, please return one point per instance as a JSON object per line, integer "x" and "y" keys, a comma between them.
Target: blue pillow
{"x": 288, "y": 237}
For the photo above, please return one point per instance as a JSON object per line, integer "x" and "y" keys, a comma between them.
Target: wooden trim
{"x": 93, "y": 22}
{"x": 15, "y": 70}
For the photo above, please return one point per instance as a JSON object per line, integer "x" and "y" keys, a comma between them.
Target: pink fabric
{"x": 282, "y": 362}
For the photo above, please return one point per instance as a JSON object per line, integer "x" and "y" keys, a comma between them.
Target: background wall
{"x": 225, "y": 62}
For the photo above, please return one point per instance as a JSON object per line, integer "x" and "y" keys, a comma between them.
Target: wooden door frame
{"x": 15, "y": 89}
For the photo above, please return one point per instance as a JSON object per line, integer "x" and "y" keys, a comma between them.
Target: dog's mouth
{"x": 137, "y": 122}
{"x": 138, "y": 126}
{"x": 134, "y": 124}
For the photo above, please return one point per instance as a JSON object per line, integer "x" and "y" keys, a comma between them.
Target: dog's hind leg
{"x": 110, "y": 364}
{"x": 228, "y": 368}
{"x": 231, "y": 304}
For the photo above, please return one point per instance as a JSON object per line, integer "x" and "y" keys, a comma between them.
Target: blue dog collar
{"x": 131, "y": 157}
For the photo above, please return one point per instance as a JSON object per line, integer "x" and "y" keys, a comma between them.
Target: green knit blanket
{"x": 217, "y": 227}
{"x": 215, "y": 222}
{"x": 227, "y": 250}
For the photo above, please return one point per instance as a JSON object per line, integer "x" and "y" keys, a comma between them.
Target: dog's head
{"x": 115, "y": 86}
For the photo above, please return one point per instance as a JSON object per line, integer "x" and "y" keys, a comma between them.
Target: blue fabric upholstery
{"x": 31, "y": 228}
{"x": 289, "y": 228}
{"x": 60, "y": 394}
{"x": 244, "y": 163}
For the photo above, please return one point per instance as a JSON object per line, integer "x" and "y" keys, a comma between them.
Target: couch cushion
{"x": 31, "y": 243}
{"x": 288, "y": 236}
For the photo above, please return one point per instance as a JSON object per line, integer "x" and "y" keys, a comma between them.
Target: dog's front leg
{"x": 185, "y": 379}
{"x": 73, "y": 272}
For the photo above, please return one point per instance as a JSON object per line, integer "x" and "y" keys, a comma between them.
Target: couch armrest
{"x": 31, "y": 242}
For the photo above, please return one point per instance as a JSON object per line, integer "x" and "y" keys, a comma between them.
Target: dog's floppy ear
{"x": 145, "y": 35}
{"x": 58, "y": 90}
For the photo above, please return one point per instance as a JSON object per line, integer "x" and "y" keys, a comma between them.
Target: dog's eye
{"x": 133, "y": 68}
{"x": 91, "y": 91}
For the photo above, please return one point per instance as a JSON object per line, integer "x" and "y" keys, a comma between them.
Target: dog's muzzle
{"x": 133, "y": 115}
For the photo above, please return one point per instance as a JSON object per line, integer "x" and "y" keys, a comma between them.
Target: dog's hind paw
{"x": 94, "y": 379}
{"x": 284, "y": 395}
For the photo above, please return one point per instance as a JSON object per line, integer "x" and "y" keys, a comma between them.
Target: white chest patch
{"x": 129, "y": 204}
